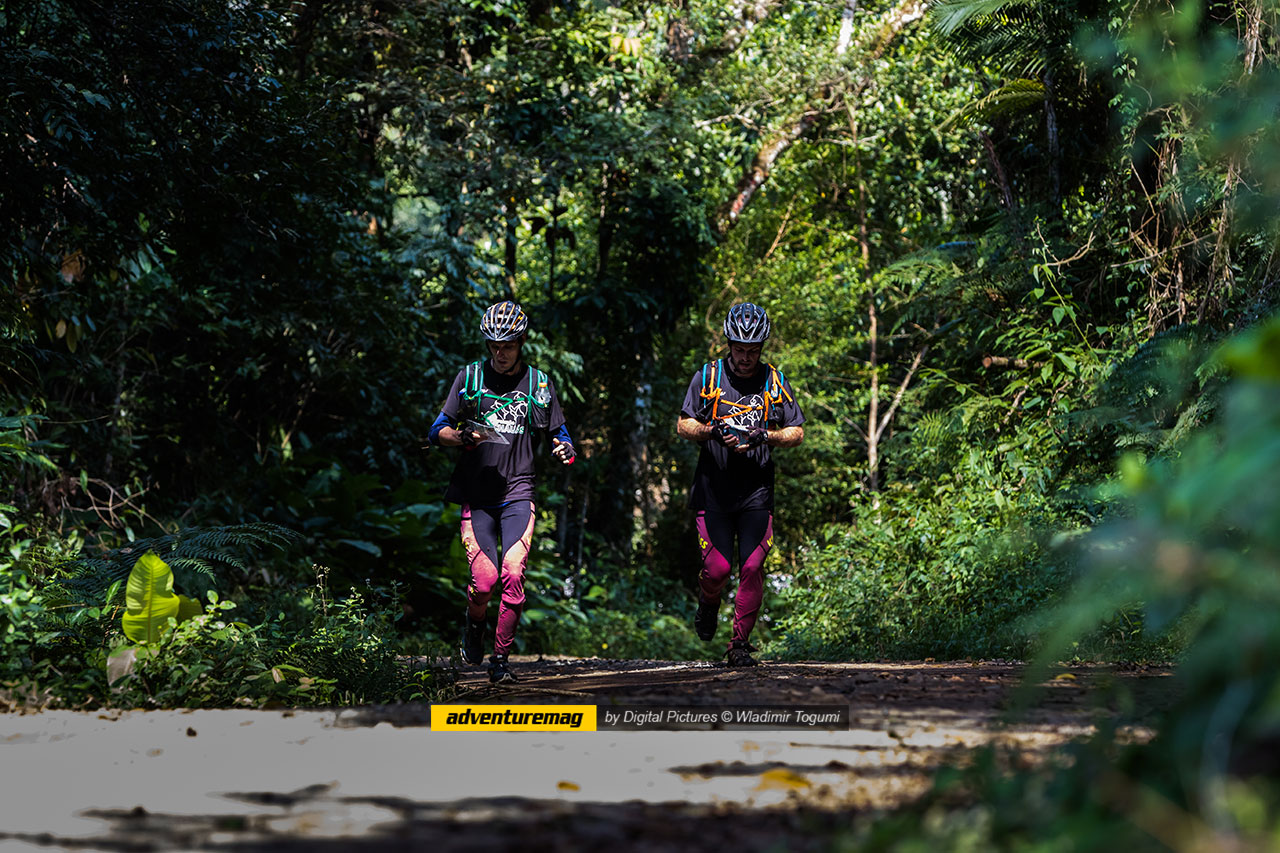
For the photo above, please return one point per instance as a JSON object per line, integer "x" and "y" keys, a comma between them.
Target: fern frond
{"x": 210, "y": 551}
{"x": 1193, "y": 418}
{"x": 1145, "y": 440}
{"x": 915, "y": 270}
{"x": 932, "y": 427}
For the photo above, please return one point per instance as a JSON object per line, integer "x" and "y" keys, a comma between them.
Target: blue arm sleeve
{"x": 563, "y": 435}
{"x": 433, "y": 434}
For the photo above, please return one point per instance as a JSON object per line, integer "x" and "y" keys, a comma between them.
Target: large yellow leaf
{"x": 188, "y": 607}
{"x": 149, "y": 599}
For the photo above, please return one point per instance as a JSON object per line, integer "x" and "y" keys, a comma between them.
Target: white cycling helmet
{"x": 746, "y": 323}
{"x": 503, "y": 321}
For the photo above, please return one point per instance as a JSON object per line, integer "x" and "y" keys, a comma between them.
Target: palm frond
{"x": 1154, "y": 399}
{"x": 1016, "y": 38}
{"x": 1016, "y": 96}
{"x": 950, "y": 15}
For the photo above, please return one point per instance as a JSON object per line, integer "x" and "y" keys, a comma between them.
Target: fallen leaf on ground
{"x": 782, "y": 779}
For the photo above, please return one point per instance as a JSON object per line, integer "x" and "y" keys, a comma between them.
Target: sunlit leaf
{"x": 149, "y": 599}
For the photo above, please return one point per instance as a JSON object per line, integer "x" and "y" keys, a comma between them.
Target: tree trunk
{"x": 846, "y": 26}
{"x": 604, "y": 231}
{"x": 873, "y": 409}
{"x": 758, "y": 172}
{"x": 877, "y": 423}
{"x": 1055, "y": 146}
{"x": 1221, "y": 268}
{"x": 511, "y": 221}
{"x": 1002, "y": 179}
{"x": 303, "y": 37}
{"x": 562, "y": 518}
{"x": 864, "y": 237}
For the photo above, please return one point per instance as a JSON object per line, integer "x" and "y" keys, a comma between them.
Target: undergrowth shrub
{"x": 1196, "y": 549}
{"x": 915, "y": 579}
{"x": 959, "y": 561}
{"x": 60, "y": 620}
{"x": 640, "y": 634}
{"x": 345, "y": 649}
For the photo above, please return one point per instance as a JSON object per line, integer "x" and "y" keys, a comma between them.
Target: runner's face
{"x": 505, "y": 355}
{"x": 743, "y": 358}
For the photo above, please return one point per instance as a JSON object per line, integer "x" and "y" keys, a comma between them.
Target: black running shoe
{"x": 704, "y": 621}
{"x": 739, "y": 654}
{"x": 472, "y": 641}
{"x": 499, "y": 671}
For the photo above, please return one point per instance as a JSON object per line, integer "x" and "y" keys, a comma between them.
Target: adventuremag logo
{"x": 517, "y": 718}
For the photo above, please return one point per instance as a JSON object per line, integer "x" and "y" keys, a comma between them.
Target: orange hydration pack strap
{"x": 775, "y": 392}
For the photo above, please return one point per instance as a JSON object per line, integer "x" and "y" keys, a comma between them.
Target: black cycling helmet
{"x": 503, "y": 321}
{"x": 746, "y": 324}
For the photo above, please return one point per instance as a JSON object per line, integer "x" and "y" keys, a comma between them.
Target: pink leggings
{"x": 481, "y": 529}
{"x": 753, "y": 530}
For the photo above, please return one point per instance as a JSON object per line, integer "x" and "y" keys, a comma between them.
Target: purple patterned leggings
{"x": 717, "y": 531}
{"x": 481, "y": 529}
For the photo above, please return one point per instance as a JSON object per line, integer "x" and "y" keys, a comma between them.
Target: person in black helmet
{"x": 492, "y": 411}
{"x": 738, "y": 408}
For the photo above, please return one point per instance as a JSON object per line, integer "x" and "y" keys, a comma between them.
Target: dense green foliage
{"x": 1002, "y": 244}
{"x": 1197, "y": 548}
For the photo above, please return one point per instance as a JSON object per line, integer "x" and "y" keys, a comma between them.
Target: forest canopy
{"x": 249, "y": 245}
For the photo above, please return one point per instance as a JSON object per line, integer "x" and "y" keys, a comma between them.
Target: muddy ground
{"x": 376, "y": 778}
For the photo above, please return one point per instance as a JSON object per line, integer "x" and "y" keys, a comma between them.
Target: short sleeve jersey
{"x": 725, "y": 481}
{"x": 493, "y": 473}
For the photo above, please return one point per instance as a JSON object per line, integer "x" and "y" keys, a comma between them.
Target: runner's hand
{"x": 723, "y": 434}
{"x": 734, "y": 438}
{"x": 563, "y": 451}
{"x": 469, "y": 438}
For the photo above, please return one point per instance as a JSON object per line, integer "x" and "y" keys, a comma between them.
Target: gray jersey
{"x": 725, "y": 481}
{"x": 493, "y": 473}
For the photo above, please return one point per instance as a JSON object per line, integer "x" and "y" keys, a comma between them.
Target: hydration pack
{"x": 538, "y": 396}
{"x": 775, "y": 391}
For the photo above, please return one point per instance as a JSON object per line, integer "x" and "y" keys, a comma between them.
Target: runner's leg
{"x": 715, "y": 538}
{"x": 755, "y": 538}
{"x": 480, "y": 538}
{"x": 517, "y": 539}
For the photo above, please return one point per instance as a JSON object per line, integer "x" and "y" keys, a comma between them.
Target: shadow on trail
{"x": 905, "y": 719}
{"x": 979, "y": 692}
{"x": 503, "y": 823}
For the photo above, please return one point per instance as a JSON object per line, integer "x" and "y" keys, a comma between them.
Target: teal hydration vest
{"x": 538, "y": 396}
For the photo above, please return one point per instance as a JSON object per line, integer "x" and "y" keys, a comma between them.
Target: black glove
{"x": 757, "y": 436}
{"x": 467, "y": 437}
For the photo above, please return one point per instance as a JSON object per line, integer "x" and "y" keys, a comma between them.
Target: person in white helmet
{"x": 492, "y": 411}
{"x": 738, "y": 408}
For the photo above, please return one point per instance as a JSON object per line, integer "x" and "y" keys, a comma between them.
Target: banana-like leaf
{"x": 188, "y": 607}
{"x": 149, "y": 599}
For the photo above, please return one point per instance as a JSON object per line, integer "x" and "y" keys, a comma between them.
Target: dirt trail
{"x": 376, "y": 778}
